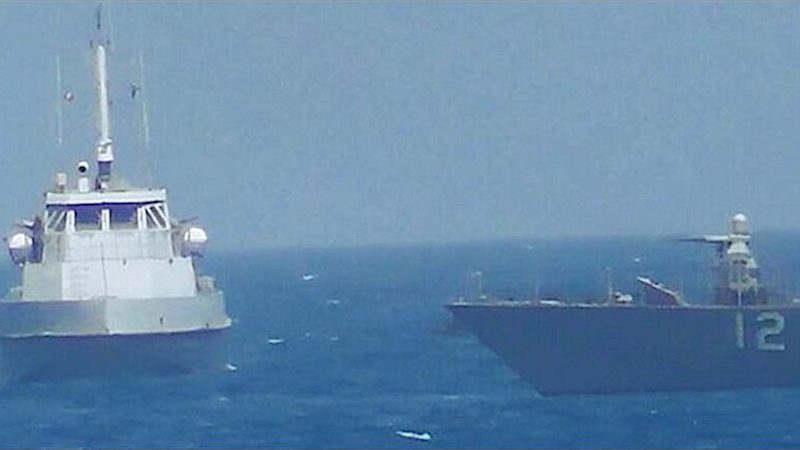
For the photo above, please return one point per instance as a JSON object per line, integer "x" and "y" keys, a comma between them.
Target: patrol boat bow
{"x": 745, "y": 338}
{"x": 109, "y": 280}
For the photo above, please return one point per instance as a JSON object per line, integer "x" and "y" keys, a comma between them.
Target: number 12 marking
{"x": 770, "y": 325}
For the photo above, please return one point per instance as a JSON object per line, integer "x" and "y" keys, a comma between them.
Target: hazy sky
{"x": 283, "y": 124}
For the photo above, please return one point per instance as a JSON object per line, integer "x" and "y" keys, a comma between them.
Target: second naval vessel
{"x": 746, "y": 337}
{"x": 109, "y": 280}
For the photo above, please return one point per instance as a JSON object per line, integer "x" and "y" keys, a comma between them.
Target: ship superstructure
{"x": 736, "y": 270}
{"x": 107, "y": 260}
{"x": 742, "y": 338}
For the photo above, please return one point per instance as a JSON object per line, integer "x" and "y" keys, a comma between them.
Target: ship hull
{"x": 54, "y": 339}
{"x": 113, "y": 316}
{"x": 51, "y": 358}
{"x": 572, "y": 349}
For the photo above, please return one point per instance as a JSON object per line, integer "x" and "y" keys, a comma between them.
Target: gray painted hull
{"x": 112, "y": 316}
{"x": 54, "y": 339}
{"x": 571, "y": 349}
{"x": 49, "y": 358}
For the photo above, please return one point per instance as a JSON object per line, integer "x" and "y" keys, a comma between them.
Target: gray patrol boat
{"x": 109, "y": 281}
{"x": 746, "y": 337}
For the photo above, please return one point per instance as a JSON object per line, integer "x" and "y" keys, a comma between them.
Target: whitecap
{"x": 275, "y": 341}
{"x": 414, "y": 435}
{"x": 231, "y": 368}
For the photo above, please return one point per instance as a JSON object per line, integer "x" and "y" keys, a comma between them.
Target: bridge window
{"x": 119, "y": 216}
{"x": 56, "y": 218}
{"x": 156, "y": 216}
{"x": 123, "y": 216}
{"x": 87, "y": 217}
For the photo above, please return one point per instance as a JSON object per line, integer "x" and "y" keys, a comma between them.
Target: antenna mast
{"x": 59, "y": 107}
{"x": 145, "y": 121}
{"x": 105, "y": 152}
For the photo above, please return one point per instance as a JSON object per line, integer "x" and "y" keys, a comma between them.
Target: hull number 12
{"x": 770, "y": 325}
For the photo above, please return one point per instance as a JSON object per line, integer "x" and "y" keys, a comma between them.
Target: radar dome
{"x": 739, "y": 224}
{"x": 194, "y": 241}
{"x": 19, "y": 247}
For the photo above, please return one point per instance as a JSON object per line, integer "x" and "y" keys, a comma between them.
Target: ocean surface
{"x": 344, "y": 348}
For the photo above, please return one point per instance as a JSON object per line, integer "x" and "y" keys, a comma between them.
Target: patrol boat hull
{"x": 50, "y": 358}
{"x": 46, "y": 340}
{"x": 605, "y": 349}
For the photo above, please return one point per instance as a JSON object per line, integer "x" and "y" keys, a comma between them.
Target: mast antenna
{"x": 59, "y": 106}
{"x": 105, "y": 151}
{"x": 148, "y": 167}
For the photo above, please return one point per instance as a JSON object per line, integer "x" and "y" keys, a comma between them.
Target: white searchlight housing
{"x": 20, "y": 246}
{"x": 193, "y": 241}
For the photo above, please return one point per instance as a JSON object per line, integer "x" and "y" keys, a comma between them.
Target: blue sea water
{"x": 342, "y": 348}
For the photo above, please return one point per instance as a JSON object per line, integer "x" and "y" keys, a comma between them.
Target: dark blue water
{"x": 366, "y": 351}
